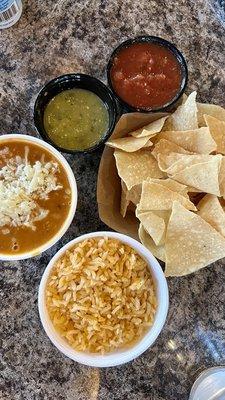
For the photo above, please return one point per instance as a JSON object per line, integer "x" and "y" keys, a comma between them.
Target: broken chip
{"x": 158, "y": 197}
{"x": 134, "y": 168}
{"x": 130, "y": 144}
{"x": 154, "y": 222}
{"x": 134, "y": 194}
{"x": 146, "y": 240}
{"x": 172, "y": 185}
{"x": 222, "y": 177}
{"x": 174, "y": 162}
{"x": 210, "y": 109}
{"x": 150, "y": 129}
{"x": 210, "y": 209}
{"x": 124, "y": 202}
{"x": 217, "y": 130}
{"x": 185, "y": 116}
{"x": 191, "y": 242}
{"x": 165, "y": 147}
{"x": 202, "y": 176}
{"x": 195, "y": 141}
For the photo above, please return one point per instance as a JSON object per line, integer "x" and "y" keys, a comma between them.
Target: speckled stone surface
{"x": 56, "y": 37}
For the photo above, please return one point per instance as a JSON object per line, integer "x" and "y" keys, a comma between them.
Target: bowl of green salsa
{"x": 75, "y": 113}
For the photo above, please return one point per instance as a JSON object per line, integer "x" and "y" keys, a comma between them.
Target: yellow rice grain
{"x": 100, "y": 296}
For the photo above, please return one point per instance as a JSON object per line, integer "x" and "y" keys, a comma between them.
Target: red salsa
{"x": 146, "y": 75}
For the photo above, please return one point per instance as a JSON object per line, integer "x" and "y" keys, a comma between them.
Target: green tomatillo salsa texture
{"x": 76, "y": 119}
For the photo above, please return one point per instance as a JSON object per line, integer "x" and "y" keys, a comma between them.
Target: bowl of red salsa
{"x": 147, "y": 74}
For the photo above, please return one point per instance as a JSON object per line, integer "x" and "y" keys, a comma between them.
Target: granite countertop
{"x": 56, "y": 37}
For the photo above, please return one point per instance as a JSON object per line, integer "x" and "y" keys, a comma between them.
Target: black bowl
{"x": 71, "y": 81}
{"x": 184, "y": 73}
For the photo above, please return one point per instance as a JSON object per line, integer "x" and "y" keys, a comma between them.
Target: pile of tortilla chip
{"x": 172, "y": 175}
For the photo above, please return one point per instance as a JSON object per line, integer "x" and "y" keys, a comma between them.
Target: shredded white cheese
{"x": 21, "y": 185}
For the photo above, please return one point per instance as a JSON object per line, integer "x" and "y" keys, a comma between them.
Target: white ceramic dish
{"x": 210, "y": 385}
{"x": 120, "y": 356}
{"x": 73, "y": 186}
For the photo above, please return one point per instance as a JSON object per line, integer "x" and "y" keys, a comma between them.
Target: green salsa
{"x": 76, "y": 119}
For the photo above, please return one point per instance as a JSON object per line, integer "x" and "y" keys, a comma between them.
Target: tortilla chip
{"x": 166, "y": 147}
{"x": 153, "y": 224}
{"x": 129, "y": 144}
{"x": 124, "y": 203}
{"x": 146, "y": 240}
{"x": 185, "y": 116}
{"x": 204, "y": 176}
{"x": 159, "y": 197}
{"x": 195, "y": 141}
{"x": 212, "y": 212}
{"x": 184, "y": 98}
{"x": 217, "y": 130}
{"x": 134, "y": 168}
{"x": 172, "y": 185}
{"x": 134, "y": 194}
{"x": 145, "y": 133}
{"x": 222, "y": 177}
{"x": 150, "y": 129}
{"x": 175, "y": 162}
{"x": 191, "y": 243}
{"x": 150, "y": 221}
{"x": 209, "y": 109}
{"x": 193, "y": 190}
{"x": 148, "y": 144}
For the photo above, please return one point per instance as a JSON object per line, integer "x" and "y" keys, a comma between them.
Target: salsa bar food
{"x": 173, "y": 182}
{"x": 146, "y": 75}
{"x": 35, "y": 196}
{"x": 76, "y": 119}
{"x": 100, "y": 296}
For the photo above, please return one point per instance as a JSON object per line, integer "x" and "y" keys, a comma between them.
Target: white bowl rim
{"x": 119, "y": 357}
{"x": 203, "y": 375}
{"x": 73, "y": 186}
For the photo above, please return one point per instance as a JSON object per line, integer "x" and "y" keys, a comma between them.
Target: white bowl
{"x": 73, "y": 187}
{"x": 120, "y": 356}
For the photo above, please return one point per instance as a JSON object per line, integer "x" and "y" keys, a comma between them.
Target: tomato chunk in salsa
{"x": 146, "y": 75}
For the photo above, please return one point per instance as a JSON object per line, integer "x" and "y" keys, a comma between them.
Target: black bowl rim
{"x": 74, "y": 77}
{"x": 155, "y": 39}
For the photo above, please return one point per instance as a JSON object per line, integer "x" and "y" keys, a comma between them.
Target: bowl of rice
{"x": 103, "y": 299}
